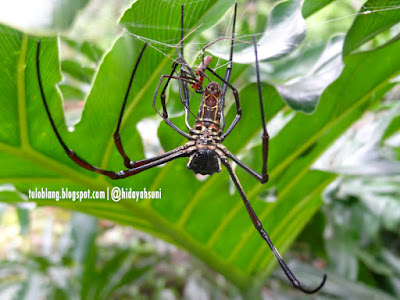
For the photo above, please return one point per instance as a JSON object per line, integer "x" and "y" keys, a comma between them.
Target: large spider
{"x": 204, "y": 149}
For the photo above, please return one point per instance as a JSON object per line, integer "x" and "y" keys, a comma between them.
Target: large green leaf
{"x": 200, "y": 216}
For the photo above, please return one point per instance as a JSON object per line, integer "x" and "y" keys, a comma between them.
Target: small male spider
{"x": 204, "y": 149}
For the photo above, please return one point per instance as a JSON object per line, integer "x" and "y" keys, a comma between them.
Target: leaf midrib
{"x": 22, "y": 115}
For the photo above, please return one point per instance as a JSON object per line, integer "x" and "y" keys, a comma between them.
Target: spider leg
{"x": 140, "y": 166}
{"x": 182, "y": 84}
{"x": 265, "y": 136}
{"x": 164, "y": 114}
{"x": 182, "y": 151}
{"x": 139, "y": 163}
{"x": 71, "y": 154}
{"x": 179, "y": 55}
{"x": 185, "y": 72}
{"x": 225, "y": 38}
{"x": 263, "y": 177}
{"x": 184, "y": 79}
{"x": 264, "y": 234}
{"x": 228, "y": 70}
{"x": 117, "y": 138}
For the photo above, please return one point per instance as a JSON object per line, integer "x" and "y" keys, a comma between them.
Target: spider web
{"x": 98, "y": 24}
{"x": 94, "y": 22}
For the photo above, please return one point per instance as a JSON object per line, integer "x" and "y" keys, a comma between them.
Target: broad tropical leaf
{"x": 204, "y": 217}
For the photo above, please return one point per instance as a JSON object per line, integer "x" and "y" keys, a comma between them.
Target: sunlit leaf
{"x": 35, "y": 16}
{"x": 65, "y": 12}
{"x": 303, "y": 92}
{"x": 285, "y": 31}
{"x": 310, "y": 6}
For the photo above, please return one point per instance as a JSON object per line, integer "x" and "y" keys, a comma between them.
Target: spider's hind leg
{"x": 258, "y": 225}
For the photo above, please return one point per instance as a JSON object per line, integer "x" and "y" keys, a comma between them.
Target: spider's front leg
{"x": 117, "y": 138}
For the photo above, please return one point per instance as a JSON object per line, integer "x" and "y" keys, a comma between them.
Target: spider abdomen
{"x": 204, "y": 161}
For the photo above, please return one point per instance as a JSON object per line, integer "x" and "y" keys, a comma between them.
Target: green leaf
{"x": 394, "y": 127}
{"x": 88, "y": 49}
{"x": 8, "y": 193}
{"x": 312, "y": 235}
{"x": 373, "y": 264}
{"x": 310, "y": 6}
{"x": 84, "y": 232}
{"x": 303, "y": 91}
{"x": 23, "y": 218}
{"x": 70, "y": 92}
{"x": 65, "y": 12}
{"x": 77, "y": 71}
{"x": 355, "y": 155}
{"x": 122, "y": 269}
{"x": 374, "y": 17}
{"x": 32, "y": 288}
